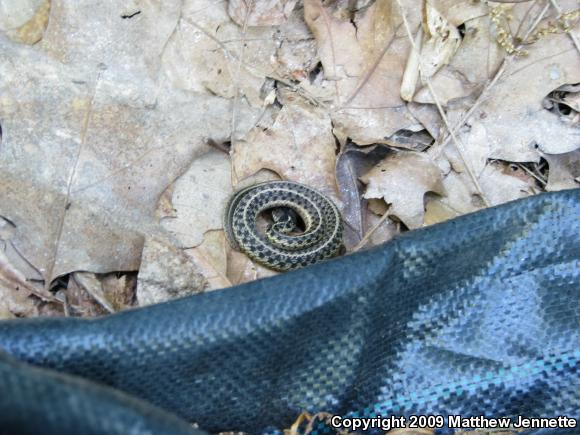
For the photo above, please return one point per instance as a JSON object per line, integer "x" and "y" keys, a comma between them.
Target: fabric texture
{"x": 475, "y": 316}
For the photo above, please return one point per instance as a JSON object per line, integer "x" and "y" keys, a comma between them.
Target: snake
{"x": 283, "y": 245}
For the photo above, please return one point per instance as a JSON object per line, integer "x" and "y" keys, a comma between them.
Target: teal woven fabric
{"x": 475, "y": 316}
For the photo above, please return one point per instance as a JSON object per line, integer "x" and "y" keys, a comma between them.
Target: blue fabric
{"x": 475, "y": 316}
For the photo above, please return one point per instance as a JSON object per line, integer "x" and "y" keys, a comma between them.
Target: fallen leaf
{"x": 564, "y": 171}
{"x": 10, "y": 277}
{"x": 366, "y": 65}
{"x": 437, "y": 211}
{"x": 166, "y": 273}
{"x": 210, "y": 52}
{"x": 379, "y": 230}
{"x": 260, "y": 13}
{"x": 124, "y": 38}
{"x": 15, "y": 292}
{"x": 402, "y": 181}
{"x": 119, "y": 288}
{"x": 212, "y": 260}
{"x": 500, "y": 181}
{"x": 440, "y": 42}
{"x": 241, "y": 269}
{"x": 466, "y": 74}
{"x": 298, "y": 147}
{"x": 458, "y": 12}
{"x": 24, "y": 21}
{"x": 501, "y": 184}
{"x": 199, "y": 199}
{"x": 515, "y": 122}
{"x": 353, "y": 161}
{"x": 80, "y": 297}
{"x": 84, "y": 160}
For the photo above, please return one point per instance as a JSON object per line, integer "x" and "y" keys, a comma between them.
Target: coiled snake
{"x": 281, "y": 247}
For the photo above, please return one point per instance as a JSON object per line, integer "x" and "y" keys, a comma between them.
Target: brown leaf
{"x": 167, "y": 273}
{"x": 353, "y": 161}
{"x": 210, "y": 52}
{"x": 402, "y": 181}
{"x": 15, "y": 292}
{"x": 503, "y": 182}
{"x": 85, "y": 293}
{"x": 199, "y": 198}
{"x": 212, "y": 260}
{"x": 84, "y": 159}
{"x": 15, "y": 279}
{"x": 241, "y": 269}
{"x": 24, "y": 21}
{"x": 366, "y": 65}
{"x": 512, "y": 115}
{"x": 299, "y": 147}
{"x": 500, "y": 181}
{"x": 466, "y": 74}
{"x": 260, "y": 13}
{"x": 440, "y": 42}
{"x": 564, "y": 170}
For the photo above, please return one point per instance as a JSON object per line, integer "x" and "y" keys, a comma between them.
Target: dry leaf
{"x": 402, "y": 181}
{"x": 379, "y": 230}
{"x": 209, "y": 52}
{"x": 84, "y": 159}
{"x": 80, "y": 298}
{"x": 564, "y": 171}
{"x": 440, "y": 42}
{"x": 15, "y": 14}
{"x": 261, "y": 12}
{"x": 15, "y": 292}
{"x": 119, "y": 288}
{"x": 513, "y": 116}
{"x": 366, "y": 64}
{"x": 89, "y": 284}
{"x": 474, "y": 63}
{"x": 241, "y": 269}
{"x": 299, "y": 147}
{"x": 353, "y": 161}
{"x": 458, "y": 12}
{"x": 199, "y": 198}
{"x": 166, "y": 273}
{"x": 437, "y": 211}
{"x": 127, "y": 37}
{"x": 500, "y": 182}
{"x": 350, "y": 193}
{"x": 24, "y": 21}
{"x": 212, "y": 260}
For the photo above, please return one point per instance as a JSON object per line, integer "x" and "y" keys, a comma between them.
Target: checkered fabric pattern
{"x": 476, "y": 316}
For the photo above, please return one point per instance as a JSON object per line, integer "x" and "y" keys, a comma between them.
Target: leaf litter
{"x": 125, "y": 128}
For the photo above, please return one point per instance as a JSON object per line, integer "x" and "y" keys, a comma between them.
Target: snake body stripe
{"x": 321, "y": 239}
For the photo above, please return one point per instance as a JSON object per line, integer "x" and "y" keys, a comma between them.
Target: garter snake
{"x": 280, "y": 247}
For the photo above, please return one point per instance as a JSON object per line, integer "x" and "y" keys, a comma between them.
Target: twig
{"x": 542, "y": 181}
{"x": 368, "y": 235}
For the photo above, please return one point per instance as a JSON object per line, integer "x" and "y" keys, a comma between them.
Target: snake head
{"x": 285, "y": 220}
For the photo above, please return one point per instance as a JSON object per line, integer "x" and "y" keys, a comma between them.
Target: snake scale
{"x": 282, "y": 246}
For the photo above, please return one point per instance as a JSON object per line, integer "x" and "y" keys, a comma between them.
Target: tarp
{"x": 478, "y": 316}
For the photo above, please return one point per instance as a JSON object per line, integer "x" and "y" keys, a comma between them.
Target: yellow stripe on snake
{"x": 280, "y": 247}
